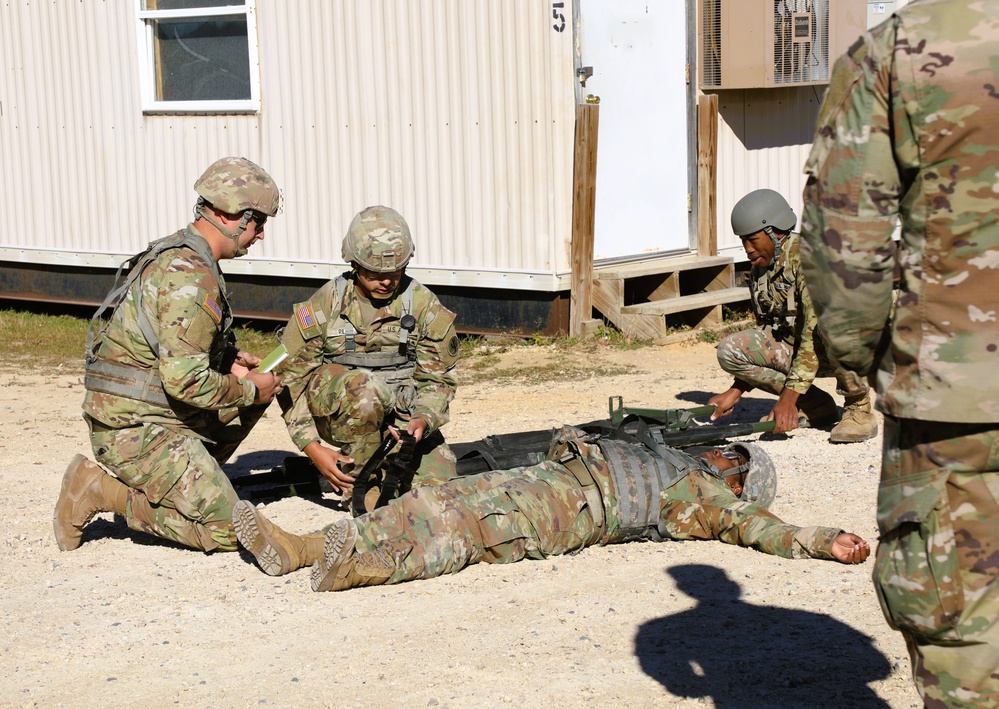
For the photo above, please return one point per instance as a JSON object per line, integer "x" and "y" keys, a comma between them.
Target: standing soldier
{"x": 369, "y": 350}
{"x": 783, "y": 354}
{"x": 169, "y": 396}
{"x": 909, "y": 128}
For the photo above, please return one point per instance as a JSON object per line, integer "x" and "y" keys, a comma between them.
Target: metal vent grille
{"x": 801, "y": 41}
{"x": 711, "y": 44}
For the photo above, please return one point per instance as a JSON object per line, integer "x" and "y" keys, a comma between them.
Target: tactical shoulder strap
{"x": 136, "y": 266}
{"x": 350, "y": 332}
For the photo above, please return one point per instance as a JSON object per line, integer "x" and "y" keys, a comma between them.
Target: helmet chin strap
{"x": 777, "y": 242}
{"x": 233, "y": 235}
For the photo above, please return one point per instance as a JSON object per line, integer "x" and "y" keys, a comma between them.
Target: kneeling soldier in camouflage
{"x": 588, "y": 492}
{"x": 169, "y": 395}
{"x": 371, "y": 349}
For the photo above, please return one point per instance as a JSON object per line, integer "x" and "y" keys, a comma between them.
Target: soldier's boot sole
{"x": 338, "y": 548}
{"x": 274, "y": 554}
{"x": 80, "y": 498}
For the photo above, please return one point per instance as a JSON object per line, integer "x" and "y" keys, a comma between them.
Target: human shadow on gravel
{"x": 744, "y": 655}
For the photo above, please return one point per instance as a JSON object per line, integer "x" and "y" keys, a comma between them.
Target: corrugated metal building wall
{"x": 459, "y": 113}
{"x": 764, "y": 137}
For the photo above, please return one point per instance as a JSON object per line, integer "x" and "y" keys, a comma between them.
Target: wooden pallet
{"x": 645, "y": 298}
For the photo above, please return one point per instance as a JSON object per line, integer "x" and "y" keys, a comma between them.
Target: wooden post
{"x": 707, "y": 175}
{"x": 583, "y": 207}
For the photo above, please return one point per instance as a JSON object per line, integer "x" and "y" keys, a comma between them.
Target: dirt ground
{"x": 126, "y": 618}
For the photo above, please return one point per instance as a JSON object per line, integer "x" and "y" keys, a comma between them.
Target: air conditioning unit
{"x": 769, "y": 43}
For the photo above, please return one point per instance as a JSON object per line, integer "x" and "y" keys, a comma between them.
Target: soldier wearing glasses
{"x": 169, "y": 396}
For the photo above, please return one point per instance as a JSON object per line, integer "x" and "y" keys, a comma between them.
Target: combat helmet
{"x": 762, "y": 209}
{"x": 760, "y": 486}
{"x": 378, "y": 240}
{"x": 236, "y": 186}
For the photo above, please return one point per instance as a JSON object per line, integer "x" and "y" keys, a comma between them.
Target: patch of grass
{"x": 551, "y": 371}
{"x": 41, "y": 341}
{"x": 736, "y": 314}
{"x": 614, "y": 338}
{"x": 258, "y": 339}
{"x": 37, "y": 341}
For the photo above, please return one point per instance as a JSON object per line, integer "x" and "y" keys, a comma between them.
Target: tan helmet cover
{"x": 378, "y": 240}
{"x": 235, "y": 185}
{"x": 760, "y": 486}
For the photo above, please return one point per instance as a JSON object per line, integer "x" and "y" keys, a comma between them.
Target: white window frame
{"x": 147, "y": 59}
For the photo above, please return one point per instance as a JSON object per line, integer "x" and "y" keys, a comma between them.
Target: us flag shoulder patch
{"x": 309, "y": 321}
{"x": 213, "y": 308}
{"x": 306, "y": 318}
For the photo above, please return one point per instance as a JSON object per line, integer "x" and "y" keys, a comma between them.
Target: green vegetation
{"x": 38, "y": 341}
{"x": 30, "y": 340}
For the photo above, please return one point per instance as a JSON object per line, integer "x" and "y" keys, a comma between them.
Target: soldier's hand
{"x": 724, "y": 402}
{"x": 848, "y": 548}
{"x": 416, "y": 428}
{"x": 328, "y": 462}
{"x": 243, "y": 363}
{"x": 785, "y": 412}
{"x": 268, "y": 386}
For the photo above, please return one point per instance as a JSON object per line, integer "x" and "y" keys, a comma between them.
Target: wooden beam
{"x": 707, "y": 175}
{"x": 584, "y": 200}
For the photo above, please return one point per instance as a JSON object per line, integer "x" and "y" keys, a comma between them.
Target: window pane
{"x": 202, "y": 60}
{"x": 187, "y": 4}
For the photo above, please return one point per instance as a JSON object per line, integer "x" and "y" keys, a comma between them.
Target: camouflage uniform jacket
{"x": 782, "y": 305}
{"x": 700, "y": 506}
{"x": 908, "y": 128}
{"x": 315, "y": 333}
{"x": 185, "y": 302}
{"x": 692, "y": 504}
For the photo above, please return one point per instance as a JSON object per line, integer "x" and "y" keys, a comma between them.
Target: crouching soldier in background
{"x": 783, "y": 354}
{"x": 587, "y": 492}
{"x": 370, "y": 350}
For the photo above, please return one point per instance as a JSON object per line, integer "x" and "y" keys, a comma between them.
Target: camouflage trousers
{"x": 352, "y": 409}
{"x": 756, "y": 357}
{"x": 497, "y": 517}
{"x": 937, "y": 567}
{"x": 178, "y": 489}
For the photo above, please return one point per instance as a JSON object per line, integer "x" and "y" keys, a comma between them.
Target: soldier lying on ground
{"x": 588, "y": 492}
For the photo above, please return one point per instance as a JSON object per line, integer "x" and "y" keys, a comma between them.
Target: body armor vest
{"x": 391, "y": 366}
{"x": 142, "y": 383}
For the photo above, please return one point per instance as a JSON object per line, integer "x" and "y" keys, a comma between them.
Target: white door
{"x": 638, "y": 54}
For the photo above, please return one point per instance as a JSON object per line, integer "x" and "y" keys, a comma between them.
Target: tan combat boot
{"x": 342, "y": 567}
{"x": 86, "y": 490}
{"x": 816, "y": 409}
{"x": 277, "y": 552}
{"x": 858, "y": 422}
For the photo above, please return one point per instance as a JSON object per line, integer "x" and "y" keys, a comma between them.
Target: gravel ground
{"x": 126, "y": 618}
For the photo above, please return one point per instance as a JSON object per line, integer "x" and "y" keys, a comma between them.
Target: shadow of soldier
{"x": 744, "y": 655}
